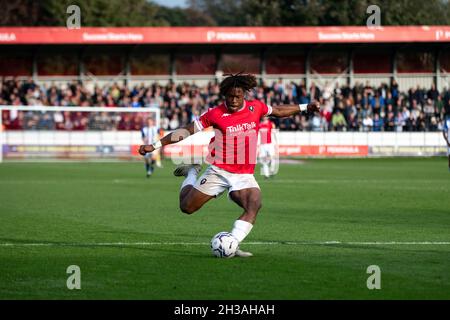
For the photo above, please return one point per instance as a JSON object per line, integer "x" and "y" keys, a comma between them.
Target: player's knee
{"x": 256, "y": 204}
{"x": 256, "y": 208}
{"x": 259, "y": 206}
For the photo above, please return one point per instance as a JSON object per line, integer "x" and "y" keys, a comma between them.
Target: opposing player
{"x": 150, "y": 135}
{"x": 446, "y": 133}
{"x": 267, "y": 148}
{"x": 232, "y": 156}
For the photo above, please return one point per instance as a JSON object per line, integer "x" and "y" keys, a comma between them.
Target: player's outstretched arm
{"x": 287, "y": 110}
{"x": 173, "y": 137}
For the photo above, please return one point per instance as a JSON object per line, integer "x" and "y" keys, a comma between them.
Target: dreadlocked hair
{"x": 244, "y": 81}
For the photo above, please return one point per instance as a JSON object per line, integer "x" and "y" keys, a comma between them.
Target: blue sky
{"x": 171, "y": 3}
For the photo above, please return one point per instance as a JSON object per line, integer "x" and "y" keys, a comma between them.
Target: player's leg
{"x": 245, "y": 192}
{"x": 152, "y": 164}
{"x": 273, "y": 160}
{"x": 271, "y": 165}
{"x": 448, "y": 155}
{"x": 194, "y": 193}
{"x": 265, "y": 161}
{"x": 158, "y": 158}
{"x": 250, "y": 200}
{"x": 191, "y": 199}
{"x": 148, "y": 167}
{"x": 265, "y": 167}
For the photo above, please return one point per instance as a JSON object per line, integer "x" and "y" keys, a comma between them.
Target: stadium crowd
{"x": 359, "y": 108}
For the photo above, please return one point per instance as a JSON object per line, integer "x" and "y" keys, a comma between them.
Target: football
{"x": 224, "y": 245}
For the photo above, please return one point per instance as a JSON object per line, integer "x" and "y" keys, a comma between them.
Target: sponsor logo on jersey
{"x": 241, "y": 127}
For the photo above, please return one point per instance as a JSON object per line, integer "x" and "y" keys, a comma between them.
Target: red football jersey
{"x": 233, "y": 147}
{"x": 265, "y": 130}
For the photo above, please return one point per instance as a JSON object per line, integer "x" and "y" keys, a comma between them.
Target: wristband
{"x": 303, "y": 107}
{"x": 157, "y": 145}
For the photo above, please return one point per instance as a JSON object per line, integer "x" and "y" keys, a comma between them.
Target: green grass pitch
{"x": 130, "y": 240}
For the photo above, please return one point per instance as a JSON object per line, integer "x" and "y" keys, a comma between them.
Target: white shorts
{"x": 266, "y": 150}
{"x": 151, "y": 155}
{"x": 214, "y": 181}
{"x": 148, "y": 155}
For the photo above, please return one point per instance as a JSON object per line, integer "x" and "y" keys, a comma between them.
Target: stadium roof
{"x": 217, "y": 35}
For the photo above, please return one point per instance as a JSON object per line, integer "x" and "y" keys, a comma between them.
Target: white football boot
{"x": 243, "y": 254}
{"x": 183, "y": 169}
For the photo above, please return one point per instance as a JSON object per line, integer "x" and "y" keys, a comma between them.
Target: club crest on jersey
{"x": 251, "y": 108}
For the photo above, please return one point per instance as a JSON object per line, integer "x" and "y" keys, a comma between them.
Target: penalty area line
{"x": 256, "y": 243}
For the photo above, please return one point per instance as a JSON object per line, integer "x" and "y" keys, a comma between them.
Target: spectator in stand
{"x": 432, "y": 93}
{"x": 411, "y": 123}
{"x": 353, "y": 124}
{"x": 399, "y": 122}
{"x": 394, "y": 89}
{"x": 316, "y": 123}
{"x": 378, "y": 123}
{"x": 421, "y": 122}
{"x": 338, "y": 122}
{"x": 439, "y": 106}
{"x": 389, "y": 124}
{"x": 429, "y": 108}
{"x": 314, "y": 92}
{"x": 135, "y": 102}
{"x": 367, "y": 112}
{"x": 447, "y": 104}
{"x": 433, "y": 126}
{"x": 389, "y": 99}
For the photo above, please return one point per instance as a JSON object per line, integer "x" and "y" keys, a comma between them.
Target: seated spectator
{"x": 433, "y": 126}
{"x": 353, "y": 124}
{"x": 421, "y": 122}
{"x": 367, "y": 124}
{"x": 390, "y": 122}
{"x": 316, "y": 122}
{"x": 378, "y": 123}
{"x": 338, "y": 122}
{"x": 399, "y": 122}
{"x": 135, "y": 102}
{"x": 429, "y": 107}
{"x": 411, "y": 124}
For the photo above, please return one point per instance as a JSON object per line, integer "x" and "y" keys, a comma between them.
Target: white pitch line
{"x": 292, "y": 243}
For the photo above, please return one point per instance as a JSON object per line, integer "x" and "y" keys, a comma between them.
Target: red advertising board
{"x": 204, "y": 35}
{"x": 326, "y": 150}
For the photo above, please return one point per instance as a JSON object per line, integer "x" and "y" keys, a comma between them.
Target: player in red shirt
{"x": 232, "y": 156}
{"x": 267, "y": 148}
